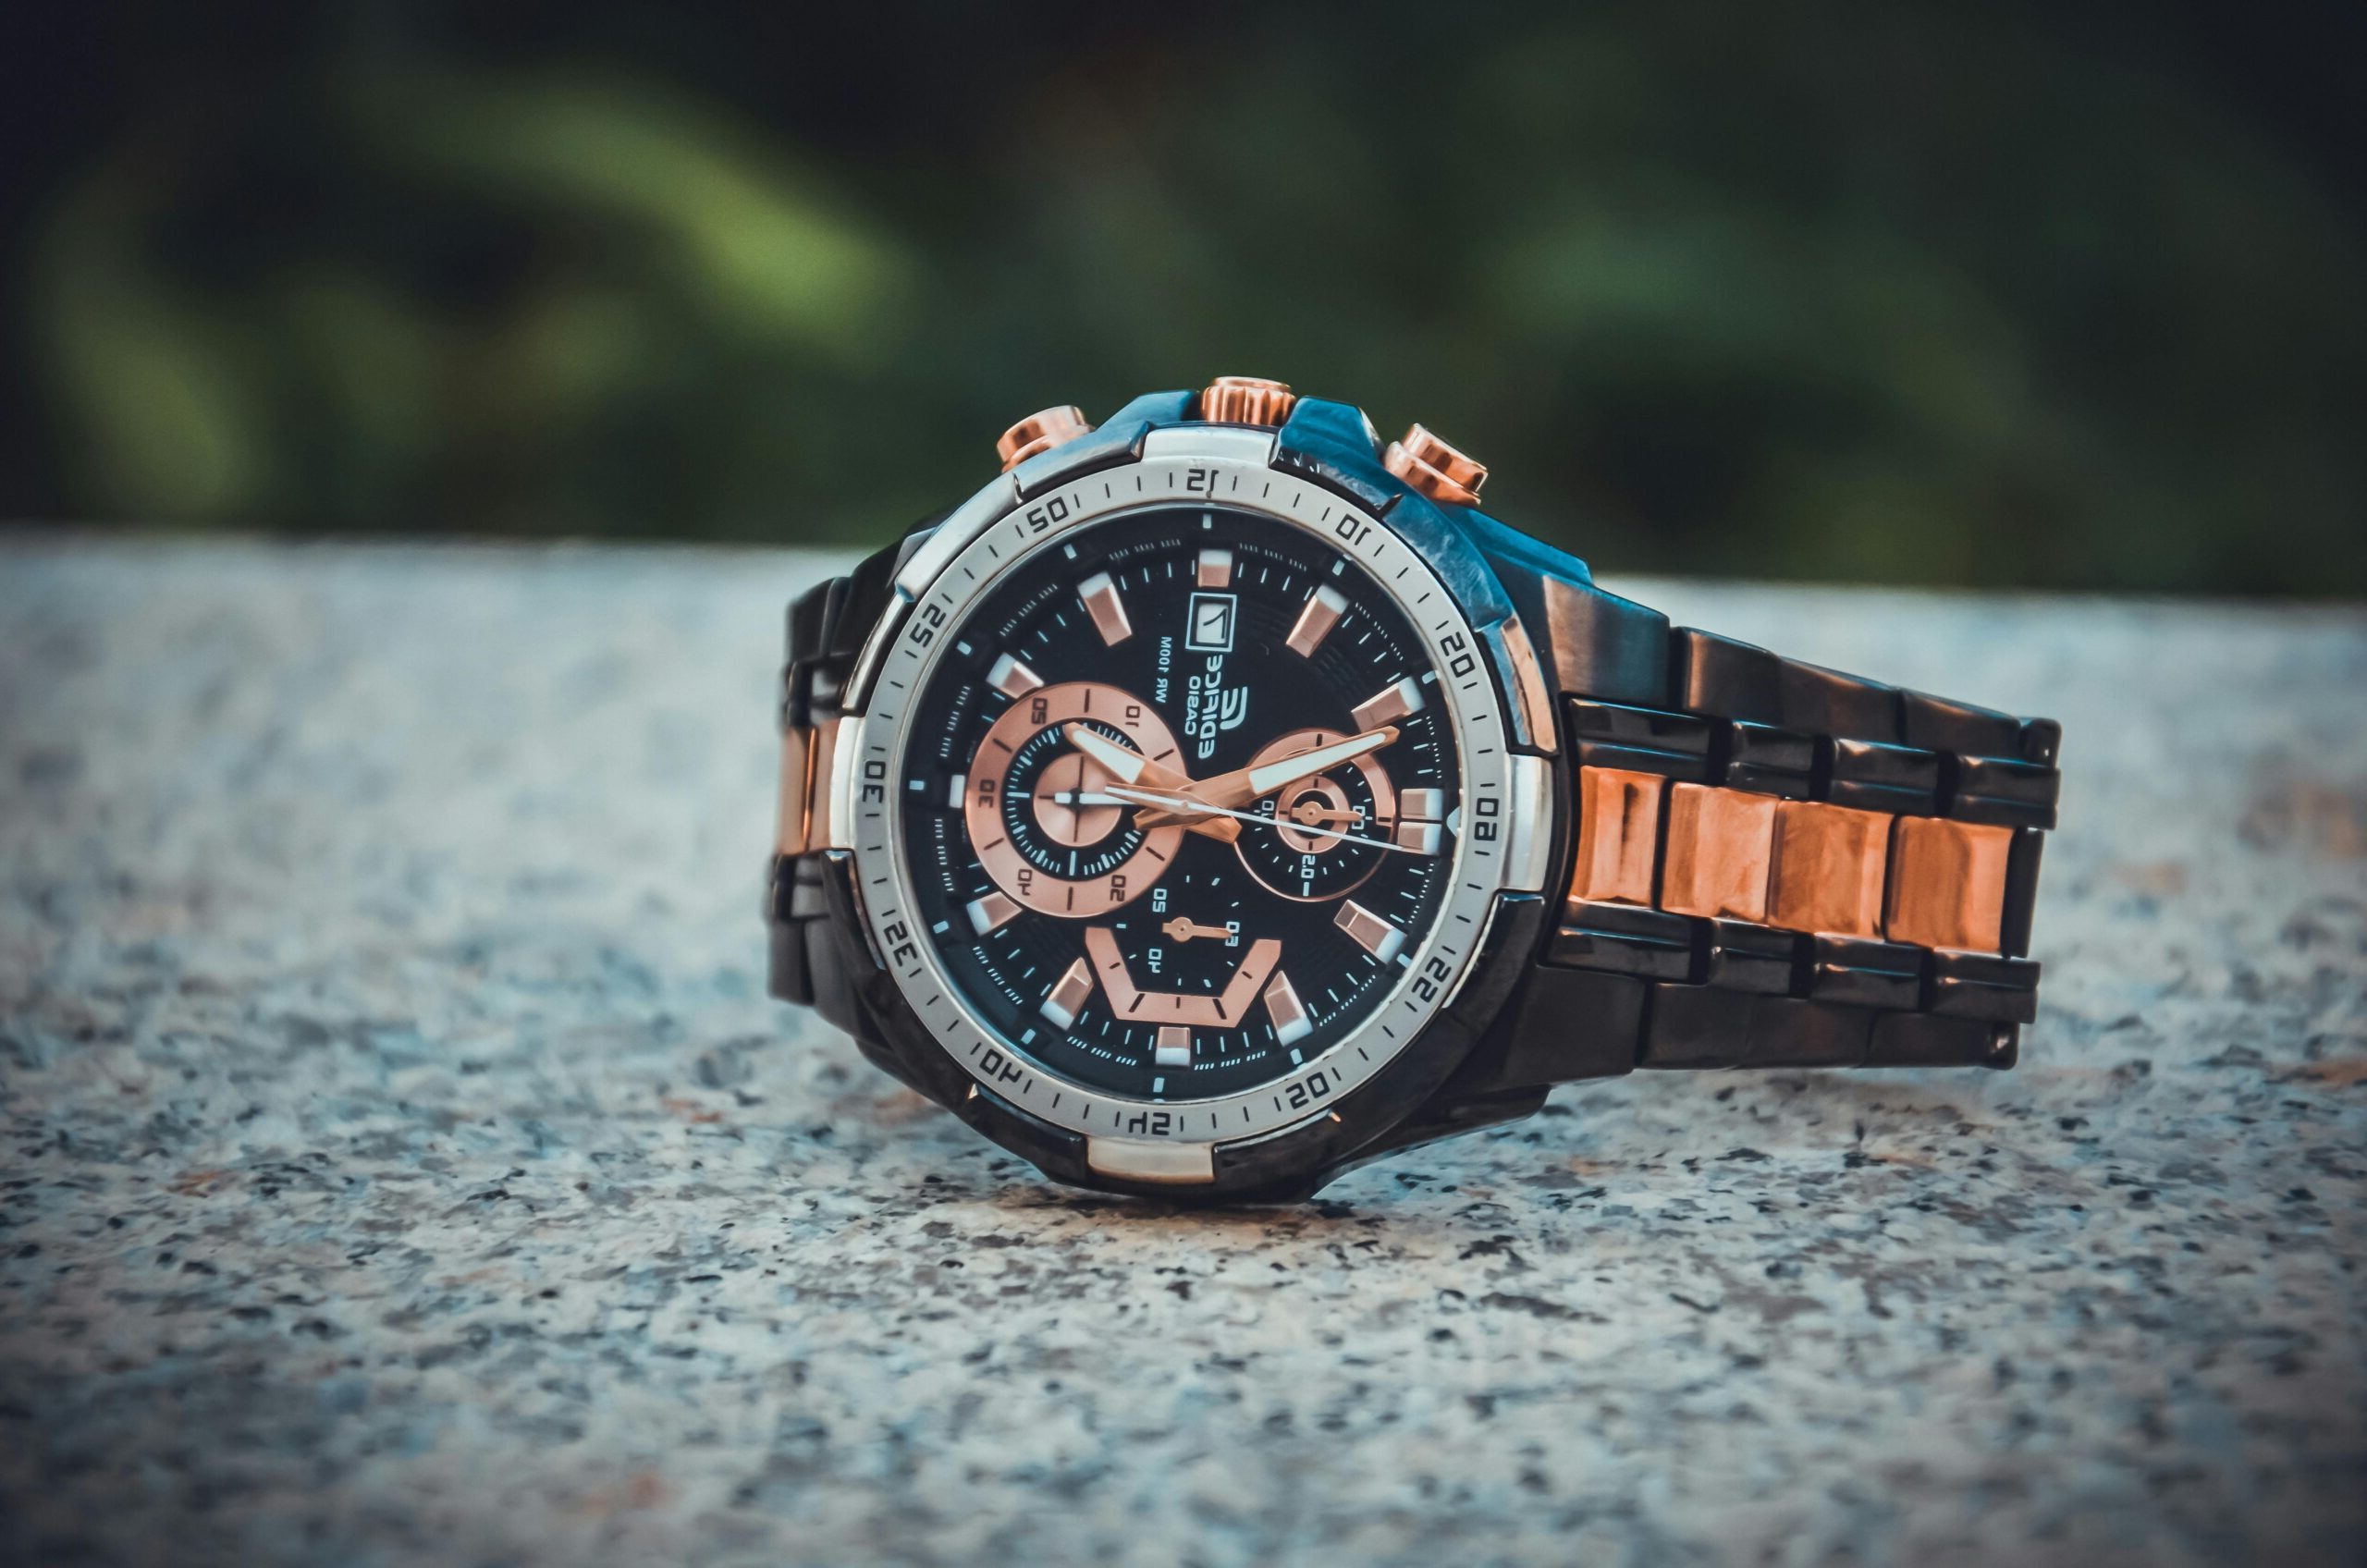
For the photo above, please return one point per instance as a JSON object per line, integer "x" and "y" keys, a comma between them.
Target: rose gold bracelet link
{"x": 1826, "y": 873}
{"x": 1619, "y": 828}
{"x": 817, "y": 784}
{"x": 796, "y": 788}
{"x": 806, "y": 758}
{"x": 1721, "y": 843}
{"x": 1948, "y": 883}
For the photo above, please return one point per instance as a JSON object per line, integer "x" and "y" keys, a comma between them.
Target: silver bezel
{"x": 1187, "y": 465}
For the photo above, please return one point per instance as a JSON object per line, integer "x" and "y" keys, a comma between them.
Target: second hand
{"x": 1116, "y": 793}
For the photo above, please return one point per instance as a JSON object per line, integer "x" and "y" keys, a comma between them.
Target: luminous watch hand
{"x": 1308, "y": 813}
{"x": 1136, "y": 768}
{"x": 1264, "y": 780}
{"x": 1129, "y": 765}
{"x": 1246, "y": 784}
{"x": 1177, "y": 804}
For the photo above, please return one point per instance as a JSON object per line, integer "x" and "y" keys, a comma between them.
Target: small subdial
{"x": 1302, "y": 855}
{"x": 1035, "y": 813}
{"x": 1179, "y": 968}
{"x": 1186, "y": 937}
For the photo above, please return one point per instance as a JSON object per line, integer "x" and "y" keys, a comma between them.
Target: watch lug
{"x": 1595, "y": 643}
{"x": 916, "y": 565}
{"x": 1295, "y": 1162}
{"x": 919, "y": 568}
{"x": 1463, "y": 1104}
{"x": 1334, "y": 444}
{"x": 1515, "y": 931}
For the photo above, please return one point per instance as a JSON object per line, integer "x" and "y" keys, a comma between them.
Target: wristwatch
{"x": 1220, "y": 799}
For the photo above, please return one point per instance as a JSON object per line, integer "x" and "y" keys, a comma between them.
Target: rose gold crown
{"x": 1437, "y": 470}
{"x": 1040, "y": 432}
{"x": 1246, "y": 399}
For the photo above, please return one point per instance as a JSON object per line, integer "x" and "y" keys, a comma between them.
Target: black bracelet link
{"x": 1703, "y": 992}
{"x": 827, "y": 626}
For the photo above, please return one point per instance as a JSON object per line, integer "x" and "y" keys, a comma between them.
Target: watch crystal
{"x": 1177, "y": 801}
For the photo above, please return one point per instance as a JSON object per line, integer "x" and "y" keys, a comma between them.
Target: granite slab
{"x": 401, "y": 1164}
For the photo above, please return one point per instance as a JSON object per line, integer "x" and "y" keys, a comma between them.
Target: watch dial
{"x": 1179, "y": 801}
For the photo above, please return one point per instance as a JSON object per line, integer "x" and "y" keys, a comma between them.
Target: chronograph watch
{"x": 1220, "y": 799}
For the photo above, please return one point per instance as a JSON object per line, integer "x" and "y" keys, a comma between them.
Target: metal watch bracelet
{"x": 1769, "y": 864}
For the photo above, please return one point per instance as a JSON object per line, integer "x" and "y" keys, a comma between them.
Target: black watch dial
{"x": 1179, "y": 802}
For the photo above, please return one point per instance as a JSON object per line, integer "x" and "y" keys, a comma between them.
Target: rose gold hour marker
{"x": 991, "y": 911}
{"x": 1369, "y": 931}
{"x": 1216, "y": 569}
{"x": 1069, "y": 996}
{"x": 1012, "y": 678}
{"x": 1389, "y": 705}
{"x": 1324, "y": 607}
{"x": 1108, "y": 612}
{"x": 1174, "y": 1048}
{"x": 1287, "y": 1012}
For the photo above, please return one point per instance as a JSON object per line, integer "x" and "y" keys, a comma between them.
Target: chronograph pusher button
{"x": 1040, "y": 432}
{"x": 1434, "y": 468}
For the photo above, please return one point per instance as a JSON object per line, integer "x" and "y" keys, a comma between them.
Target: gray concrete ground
{"x": 400, "y": 1163}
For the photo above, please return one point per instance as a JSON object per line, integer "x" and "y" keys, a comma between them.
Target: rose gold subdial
{"x": 1033, "y": 806}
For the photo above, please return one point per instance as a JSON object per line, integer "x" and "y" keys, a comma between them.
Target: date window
{"x": 1210, "y": 631}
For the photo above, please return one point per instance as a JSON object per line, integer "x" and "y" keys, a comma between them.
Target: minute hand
{"x": 1245, "y": 785}
{"x": 1264, "y": 780}
{"x": 1177, "y": 805}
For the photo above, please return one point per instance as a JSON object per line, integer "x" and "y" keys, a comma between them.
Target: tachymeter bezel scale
{"x": 1481, "y": 864}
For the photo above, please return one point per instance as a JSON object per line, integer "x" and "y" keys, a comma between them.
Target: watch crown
{"x": 1246, "y": 399}
{"x": 1435, "y": 468}
{"x": 1040, "y": 432}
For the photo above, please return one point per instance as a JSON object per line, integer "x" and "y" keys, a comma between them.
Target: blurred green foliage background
{"x": 1919, "y": 292}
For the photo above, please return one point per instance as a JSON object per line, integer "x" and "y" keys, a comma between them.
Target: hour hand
{"x": 1130, "y": 767}
{"x": 1263, "y": 782}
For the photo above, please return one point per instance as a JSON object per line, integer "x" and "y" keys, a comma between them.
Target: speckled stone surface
{"x": 403, "y": 1165}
